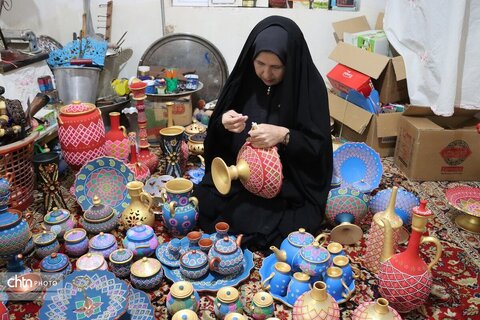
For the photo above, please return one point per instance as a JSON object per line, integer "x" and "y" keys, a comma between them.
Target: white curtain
{"x": 439, "y": 41}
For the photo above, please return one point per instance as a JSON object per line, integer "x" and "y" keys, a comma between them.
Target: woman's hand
{"x": 266, "y": 135}
{"x": 234, "y": 121}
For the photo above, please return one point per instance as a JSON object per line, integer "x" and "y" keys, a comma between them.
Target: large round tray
{"x": 177, "y": 94}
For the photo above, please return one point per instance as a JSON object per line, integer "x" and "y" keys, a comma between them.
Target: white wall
{"x": 226, "y": 28}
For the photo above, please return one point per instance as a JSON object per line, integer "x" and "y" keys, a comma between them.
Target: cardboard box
{"x": 344, "y": 78}
{"x": 438, "y": 148}
{"x": 388, "y": 74}
{"x": 379, "y": 131}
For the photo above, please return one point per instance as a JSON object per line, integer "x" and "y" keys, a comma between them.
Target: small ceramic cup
{"x": 348, "y": 272}
{"x": 277, "y": 281}
{"x": 299, "y": 284}
{"x": 335, "y": 249}
{"x": 205, "y": 244}
{"x": 336, "y": 286}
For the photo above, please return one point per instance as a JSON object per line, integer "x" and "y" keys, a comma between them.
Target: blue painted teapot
{"x": 312, "y": 259}
{"x": 226, "y": 257}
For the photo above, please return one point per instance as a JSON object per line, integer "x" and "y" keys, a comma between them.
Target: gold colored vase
{"x": 139, "y": 208}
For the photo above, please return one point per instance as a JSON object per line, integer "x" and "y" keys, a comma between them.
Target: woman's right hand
{"x": 234, "y": 121}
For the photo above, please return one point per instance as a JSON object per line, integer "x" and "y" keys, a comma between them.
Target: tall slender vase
{"x": 316, "y": 304}
{"x": 376, "y": 236}
{"x": 116, "y": 140}
{"x": 405, "y": 280}
{"x": 171, "y": 143}
{"x": 139, "y": 169}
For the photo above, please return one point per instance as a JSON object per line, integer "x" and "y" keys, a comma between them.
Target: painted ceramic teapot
{"x": 226, "y": 257}
{"x": 312, "y": 259}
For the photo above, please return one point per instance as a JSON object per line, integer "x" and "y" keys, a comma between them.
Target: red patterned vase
{"x": 81, "y": 133}
{"x": 375, "y": 310}
{"x": 116, "y": 141}
{"x": 147, "y": 157}
{"x": 316, "y": 304}
{"x": 404, "y": 279}
{"x": 139, "y": 169}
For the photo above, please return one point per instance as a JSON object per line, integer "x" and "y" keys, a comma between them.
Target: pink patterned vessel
{"x": 116, "y": 141}
{"x": 316, "y": 304}
{"x": 139, "y": 169}
{"x": 375, "y": 310}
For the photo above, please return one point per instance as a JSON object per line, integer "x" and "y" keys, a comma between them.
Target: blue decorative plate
{"x": 105, "y": 294}
{"x": 406, "y": 201}
{"x": 139, "y": 306}
{"x": 266, "y": 270}
{"x": 213, "y": 281}
{"x": 356, "y": 162}
{"x": 107, "y": 178}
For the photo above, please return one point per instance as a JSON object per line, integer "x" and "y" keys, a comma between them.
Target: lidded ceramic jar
{"x": 291, "y": 245}
{"x": 141, "y": 240}
{"x": 55, "y": 267}
{"x": 227, "y": 300}
{"x": 196, "y": 143}
{"x": 194, "y": 264}
{"x": 99, "y": 217}
{"x": 45, "y": 243}
{"x": 262, "y": 305}
{"x": 375, "y": 310}
{"x": 76, "y": 242}
{"x": 182, "y": 296}
{"x": 120, "y": 262}
{"x": 185, "y": 315}
{"x": 91, "y": 261}
{"x": 195, "y": 128}
{"x": 312, "y": 259}
{"x": 234, "y": 316}
{"x": 226, "y": 257}
{"x": 104, "y": 243}
{"x": 59, "y": 221}
{"x": 146, "y": 273}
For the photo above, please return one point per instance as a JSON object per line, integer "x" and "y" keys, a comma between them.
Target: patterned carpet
{"x": 455, "y": 293}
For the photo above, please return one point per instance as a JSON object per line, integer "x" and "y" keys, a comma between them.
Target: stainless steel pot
{"x": 77, "y": 83}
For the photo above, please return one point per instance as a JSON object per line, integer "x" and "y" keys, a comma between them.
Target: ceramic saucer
{"x": 165, "y": 257}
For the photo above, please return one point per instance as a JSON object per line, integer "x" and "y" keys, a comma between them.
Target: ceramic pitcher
{"x": 139, "y": 208}
{"x": 116, "y": 141}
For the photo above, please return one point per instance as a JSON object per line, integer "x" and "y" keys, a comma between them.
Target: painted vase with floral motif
{"x": 171, "y": 143}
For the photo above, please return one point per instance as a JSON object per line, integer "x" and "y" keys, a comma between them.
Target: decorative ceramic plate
{"x": 139, "y": 306}
{"x": 86, "y": 295}
{"x": 404, "y": 204}
{"x": 213, "y": 281}
{"x": 107, "y": 178}
{"x": 465, "y": 199}
{"x": 163, "y": 256}
{"x": 155, "y": 184}
{"x": 355, "y": 162}
{"x": 266, "y": 270}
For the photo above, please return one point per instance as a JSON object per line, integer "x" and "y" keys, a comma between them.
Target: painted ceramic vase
{"x": 262, "y": 306}
{"x": 180, "y": 208}
{"x": 76, "y": 242}
{"x": 121, "y": 262}
{"x": 195, "y": 144}
{"x": 182, "y": 296}
{"x": 227, "y": 301}
{"x": 259, "y": 170}
{"x": 312, "y": 259}
{"x": 147, "y": 157}
{"x": 194, "y": 264}
{"x": 139, "y": 208}
{"x": 376, "y": 235}
{"x": 146, "y": 273}
{"x": 235, "y": 316}
{"x": 171, "y": 143}
{"x": 316, "y": 304}
{"x": 405, "y": 279}
{"x": 375, "y": 310}
{"x": 291, "y": 245}
{"x": 91, "y": 261}
{"x": 139, "y": 169}
{"x": 55, "y": 267}
{"x": 116, "y": 140}
{"x": 103, "y": 243}
{"x": 59, "y": 221}
{"x": 141, "y": 240}
{"x": 28, "y": 247}
{"x": 299, "y": 284}
{"x": 346, "y": 209}
{"x": 46, "y": 243}
{"x": 81, "y": 133}
{"x": 226, "y": 256}
{"x": 99, "y": 217}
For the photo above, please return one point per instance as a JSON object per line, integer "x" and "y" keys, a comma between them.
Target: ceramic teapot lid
{"x": 300, "y": 238}
{"x": 121, "y": 256}
{"x": 75, "y": 235}
{"x": 145, "y": 267}
{"x": 90, "y": 261}
{"x": 181, "y": 289}
{"x": 225, "y": 245}
{"x": 234, "y": 316}
{"x": 9, "y": 218}
{"x": 194, "y": 259}
{"x": 140, "y": 232}
{"x": 314, "y": 253}
{"x": 44, "y": 238}
{"x": 185, "y": 314}
{"x": 102, "y": 241}
{"x": 56, "y": 216}
{"x": 227, "y": 294}
{"x": 98, "y": 212}
{"x": 77, "y": 108}
{"x": 263, "y": 299}
{"x": 54, "y": 262}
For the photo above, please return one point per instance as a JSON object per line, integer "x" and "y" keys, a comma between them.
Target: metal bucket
{"x": 77, "y": 83}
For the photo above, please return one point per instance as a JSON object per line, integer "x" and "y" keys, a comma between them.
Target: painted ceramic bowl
{"x": 76, "y": 242}
{"x": 194, "y": 264}
{"x": 120, "y": 262}
{"x": 55, "y": 268}
{"x": 91, "y": 262}
{"x": 45, "y": 243}
{"x": 99, "y": 217}
{"x": 59, "y": 221}
{"x": 146, "y": 273}
{"x": 104, "y": 243}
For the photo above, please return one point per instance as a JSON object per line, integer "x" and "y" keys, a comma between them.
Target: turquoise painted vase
{"x": 182, "y": 296}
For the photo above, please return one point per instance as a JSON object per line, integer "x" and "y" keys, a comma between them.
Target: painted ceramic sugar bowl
{"x": 291, "y": 245}
{"x": 104, "y": 243}
{"x": 141, "y": 240}
{"x": 91, "y": 261}
{"x": 76, "y": 242}
{"x": 262, "y": 305}
{"x": 99, "y": 217}
{"x": 227, "y": 300}
{"x": 194, "y": 264}
{"x": 45, "y": 243}
{"x": 312, "y": 259}
{"x": 182, "y": 296}
{"x": 185, "y": 315}
{"x": 55, "y": 267}
{"x": 121, "y": 262}
{"x": 59, "y": 221}
{"x": 146, "y": 273}
{"x": 226, "y": 256}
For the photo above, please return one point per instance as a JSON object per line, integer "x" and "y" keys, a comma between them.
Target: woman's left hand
{"x": 266, "y": 135}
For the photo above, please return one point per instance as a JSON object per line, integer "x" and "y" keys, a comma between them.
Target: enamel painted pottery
{"x": 81, "y": 133}
{"x": 375, "y": 310}
{"x": 116, "y": 140}
{"x": 316, "y": 304}
{"x": 259, "y": 170}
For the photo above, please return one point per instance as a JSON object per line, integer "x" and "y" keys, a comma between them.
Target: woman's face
{"x": 269, "y": 68}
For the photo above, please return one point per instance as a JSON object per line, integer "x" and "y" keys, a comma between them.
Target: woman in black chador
{"x": 275, "y": 84}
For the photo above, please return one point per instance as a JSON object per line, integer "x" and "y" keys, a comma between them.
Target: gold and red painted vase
{"x": 405, "y": 279}
{"x": 116, "y": 140}
{"x": 81, "y": 133}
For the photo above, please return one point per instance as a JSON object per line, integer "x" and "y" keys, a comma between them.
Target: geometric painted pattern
{"x": 139, "y": 306}
{"x": 119, "y": 149}
{"x": 374, "y": 245}
{"x": 465, "y": 199}
{"x": 405, "y": 201}
{"x": 348, "y": 201}
{"x": 306, "y": 308}
{"x": 367, "y": 311}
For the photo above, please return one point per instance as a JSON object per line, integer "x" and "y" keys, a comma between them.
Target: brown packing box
{"x": 431, "y": 147}
{"x": 388, "y": 74}
{"x": 377, "y": 131}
